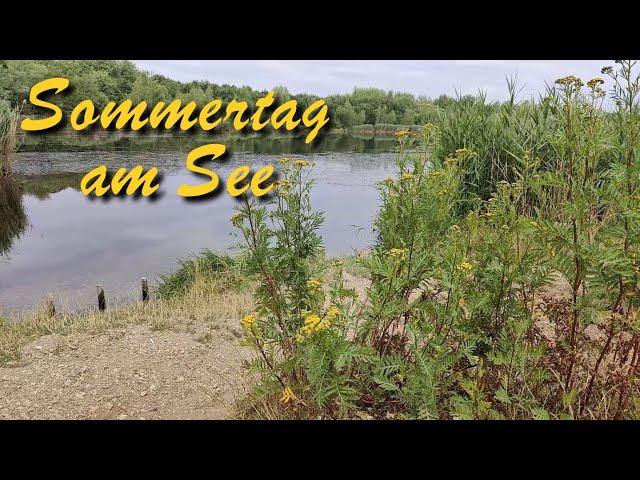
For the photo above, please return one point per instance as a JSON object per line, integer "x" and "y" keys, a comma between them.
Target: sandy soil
{"x": 189, "y": 369}
{"x": 129, "y": 373}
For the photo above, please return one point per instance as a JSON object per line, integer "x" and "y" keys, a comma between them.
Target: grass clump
{"x": 209, "y": 300}
{"x": 208, "y": 263}
{"x": 9, "y": 120}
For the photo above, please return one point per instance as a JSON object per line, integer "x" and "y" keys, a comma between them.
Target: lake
{"x": 68, "y": 243}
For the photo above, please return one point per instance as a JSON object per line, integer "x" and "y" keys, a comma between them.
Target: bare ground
{"x": 128, "y": 373}
{"x": 164, "y": 361}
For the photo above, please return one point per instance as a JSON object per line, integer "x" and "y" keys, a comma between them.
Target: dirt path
{"x": 128, "y": 373}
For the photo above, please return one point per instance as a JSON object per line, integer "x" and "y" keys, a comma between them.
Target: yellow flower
{"x": 281, "y": 183}
{"x": 464, "y": 152}
{"x": 570, "y": 81}
{"x": 388, "y": 181}
{"x": 311, "y": 319}
{"x": 301, "y": 163}
{"x": 397, "y": 252}
{"x": 323, "y": 325}
{"x": 408, "y": 176}
{"x": 402, "y": 133}
{"x": 465, "y": 266}
{"x": 333, "y": 312}
{"x": 450, "y": 160}
{"x": 287, "y": 395}
{"x": 285, "y": 160}
{"x": 435, "y": 174}
{"x": 455, "y": 228}
{"x": 429, "y": 127}
{"x": 248, "y": 321}
{"x": 534, "y": 224}
{"x": 595, "y": 82}
{"x": 237, "y": 219}
{"x": 313, "y": 283}
{"x": 311, "y": 322}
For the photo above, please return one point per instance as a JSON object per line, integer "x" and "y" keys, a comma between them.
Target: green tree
{"x": 147, "y": 90}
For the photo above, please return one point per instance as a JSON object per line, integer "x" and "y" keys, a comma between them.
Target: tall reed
{"x": 9, "y": 120}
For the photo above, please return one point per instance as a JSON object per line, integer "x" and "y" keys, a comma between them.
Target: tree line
{"x": 116, "y": 80}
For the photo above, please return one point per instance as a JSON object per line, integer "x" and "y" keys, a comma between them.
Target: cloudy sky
{"x": 420, "y": 77}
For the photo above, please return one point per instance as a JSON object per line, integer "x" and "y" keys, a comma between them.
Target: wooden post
{"x": 145, "y": 290}
{"x": 102, "y": 302}
{"x": 50, "y": 306}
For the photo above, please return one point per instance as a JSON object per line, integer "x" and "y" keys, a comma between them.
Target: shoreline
{"x": 115, "y": 141}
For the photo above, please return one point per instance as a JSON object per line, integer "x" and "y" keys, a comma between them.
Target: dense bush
{"x": 515, "y": 301}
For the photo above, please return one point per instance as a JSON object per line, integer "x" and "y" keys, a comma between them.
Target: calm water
{"x": 68, "y": 243}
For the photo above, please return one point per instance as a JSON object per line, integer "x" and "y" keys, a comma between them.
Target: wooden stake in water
{"x": 145, "y": 290}
{"x": 50, "y": 306}
{"x": 102, "y": 302}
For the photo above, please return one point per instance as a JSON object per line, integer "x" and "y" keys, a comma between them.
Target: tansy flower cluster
{"x": 464, "y": 152}
{"x": 570, "y": 81}
{"x": 285, "y": 160}
{"x": 429, "y": 127}
{"x": 300, "y": 163}
{"x": 313, "y": 283}
{"x": 402, "y": 133}
{"x": 465, "y": 266}
{"x": 249, "y": 321}
{"x": 407, "y": 176}
{"x": 287, "y": 395}
{"x": 282, "y": 184}
{"x": 388, "y": 181}
{"x": 236, "y": 219}
{"x": 333, "y": 312}
{"x": 595, "y": 82}
{"x": 313, "y": 324}
{"x": 397, "y": 252}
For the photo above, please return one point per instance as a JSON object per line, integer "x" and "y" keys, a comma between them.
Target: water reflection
{"x": 261, "y": 144}
{"x": 72, "y": 243}
{"x": 13, "y": 218}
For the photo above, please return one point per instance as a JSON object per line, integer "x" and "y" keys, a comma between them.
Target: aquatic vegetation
{"x": 207, "y": 264}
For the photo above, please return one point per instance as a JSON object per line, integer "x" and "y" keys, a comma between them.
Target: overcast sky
{"x": 420, "y": 77}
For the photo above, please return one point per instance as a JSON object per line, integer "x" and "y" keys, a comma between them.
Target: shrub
{"x": 514, "y": 301}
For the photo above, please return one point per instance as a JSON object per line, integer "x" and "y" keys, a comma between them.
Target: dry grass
{"x": 209, "y": 300}
{"x": 9, "y": 120}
